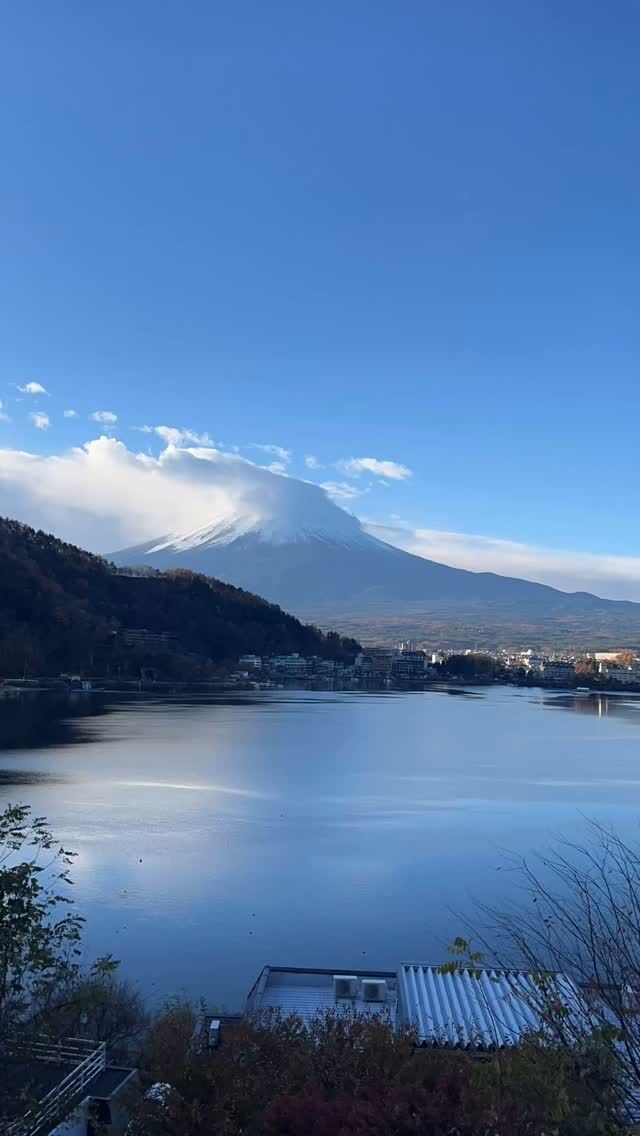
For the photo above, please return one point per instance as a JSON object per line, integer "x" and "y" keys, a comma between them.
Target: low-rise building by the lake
{"x": 475, "y": 1008}
{"x": 558, "y": 672}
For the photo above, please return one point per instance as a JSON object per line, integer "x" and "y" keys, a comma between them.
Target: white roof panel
{"x": 475, "y": 1009}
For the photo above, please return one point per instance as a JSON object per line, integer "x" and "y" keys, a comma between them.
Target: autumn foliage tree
{"x": 61, "y": 608}
{"x": 349, "y": 1074}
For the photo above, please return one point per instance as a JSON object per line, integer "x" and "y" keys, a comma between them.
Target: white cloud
{"x": 70, "y": 414}
{"x": 107, "y": 417}
{"x": 276, "y": 467}
{"x": 342, "y": 491}
{"x": 40, "y": 420}
{"x": 278, "y": 452}
{"x": 3, "y": 417}
{"x": 312, "y": 462}
{"x": 616, "y": 577}
{"x": 356, "y": 466}
{"x": 33, "y": 388}
{"x": 178, "y": 436}
{"x": 103, "y": 496}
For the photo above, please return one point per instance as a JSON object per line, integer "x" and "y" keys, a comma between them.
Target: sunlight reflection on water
{"x": 311, "y": 829}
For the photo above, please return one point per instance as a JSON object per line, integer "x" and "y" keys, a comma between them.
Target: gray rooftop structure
{"x": 470, "y": 1008}
{"x": 307, "y": 993}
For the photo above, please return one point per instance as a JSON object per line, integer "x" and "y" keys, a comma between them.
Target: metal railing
{"x": 87, "y": 1060}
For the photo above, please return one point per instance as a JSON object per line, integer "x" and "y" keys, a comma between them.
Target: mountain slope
{"x": 307, "y": 554}
{"x": 61, "y": 609}
{"x": 319, "y": 571}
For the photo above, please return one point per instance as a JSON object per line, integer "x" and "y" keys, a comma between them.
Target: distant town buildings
{"x": 376, "y": 662}
{"x": 374, "y": 666}
{"x": 615, "y": 672}
{"x": 149, "y": 640}
{"x": 528, "y": 660}
{"x": 392, "y": 662}
{"x": 410, "y": 664}
{"x": 406, "y": 666}
{"x": 559, "y": 673}
{"x": 294, "y": 666}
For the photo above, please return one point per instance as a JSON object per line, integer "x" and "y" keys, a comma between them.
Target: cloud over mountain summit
{"x": 104, "y": 496}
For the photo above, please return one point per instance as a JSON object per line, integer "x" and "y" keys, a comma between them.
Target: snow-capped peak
{"x": 273, "y": 509}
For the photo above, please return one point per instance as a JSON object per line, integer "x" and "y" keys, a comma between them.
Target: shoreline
{"x": 37, "y": 713}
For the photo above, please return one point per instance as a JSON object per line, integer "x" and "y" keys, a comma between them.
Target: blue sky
{"x": 403, "y": 231}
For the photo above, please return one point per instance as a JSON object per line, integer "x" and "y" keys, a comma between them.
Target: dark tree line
{"x": 61, "y": 608}
{"x": 474, "y": 665}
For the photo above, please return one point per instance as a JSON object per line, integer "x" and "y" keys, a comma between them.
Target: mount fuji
{"x": 287, "y": 541}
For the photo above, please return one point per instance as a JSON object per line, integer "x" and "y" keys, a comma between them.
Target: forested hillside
{"x": 62, "y": 608}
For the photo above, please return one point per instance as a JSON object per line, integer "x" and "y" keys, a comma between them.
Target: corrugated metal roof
{"x": 308, "y": 993}
{"x": 481, "y": 1009}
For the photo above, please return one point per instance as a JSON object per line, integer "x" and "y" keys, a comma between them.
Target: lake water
{"x": 296, "y": 828}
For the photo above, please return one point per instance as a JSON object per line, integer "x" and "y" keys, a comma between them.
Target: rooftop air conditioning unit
{"x": 374, "y": 990}
{"x": 345, "y": 986}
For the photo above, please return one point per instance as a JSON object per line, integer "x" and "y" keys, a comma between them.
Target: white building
{"x": 528, "y": 660}
{"x": 307, "y": 993}
{"x": 293, "y": 665}
{"x": 481, "y": 1009}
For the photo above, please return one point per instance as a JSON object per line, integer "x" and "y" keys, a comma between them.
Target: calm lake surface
{"x": 310, "y": 829}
